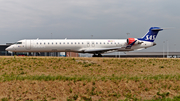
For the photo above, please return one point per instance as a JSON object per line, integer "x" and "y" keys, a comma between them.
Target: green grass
{"x": 86, "y": 78}
{"x": 106, "y": 78}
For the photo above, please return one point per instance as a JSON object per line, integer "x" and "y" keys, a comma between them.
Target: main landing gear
{"x": 99, "y": 55}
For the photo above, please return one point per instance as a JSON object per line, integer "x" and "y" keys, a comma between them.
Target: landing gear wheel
{"x": 99, "y": 55}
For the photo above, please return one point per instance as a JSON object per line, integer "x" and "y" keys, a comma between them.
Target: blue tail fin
{"x": 151, "y": 35}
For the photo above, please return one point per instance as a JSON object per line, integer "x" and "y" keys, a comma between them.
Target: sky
{"x": 102, "y": 19}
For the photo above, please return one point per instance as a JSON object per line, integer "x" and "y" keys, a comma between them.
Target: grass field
{"x": 52, "y": 78}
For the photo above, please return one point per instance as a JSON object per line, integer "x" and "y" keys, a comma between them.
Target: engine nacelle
{"x": 131, "y": 40}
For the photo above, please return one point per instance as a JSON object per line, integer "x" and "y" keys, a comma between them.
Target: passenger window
{"x": 52, "y": 43}
{"x": 108, "y": 43}
{"x": 37, "y": 43}
{"x": 60, "y": 43}
{"x": 104, "y": 43}
{"x": 78, "y": 43}
{"x": 44, "y": 43}
{"x": 56, "y": 43}
{"x": 100, "y": 42}
{"x": 75, "y": 43}
{"x": 96, "y": 42}
{"x": 48, "y": 43}
{"x": 115, "y": 43}
{"x": 67, "y": 42}
{"x": 82, "y": 43}
{"x": 64, "y": 43}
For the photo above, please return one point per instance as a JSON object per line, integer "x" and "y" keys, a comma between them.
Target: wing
{"x": 100, "y": 50}
{"x": 105, "y": 50}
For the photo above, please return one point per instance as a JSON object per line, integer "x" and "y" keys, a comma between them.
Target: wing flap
{"x": 101, "y": 50}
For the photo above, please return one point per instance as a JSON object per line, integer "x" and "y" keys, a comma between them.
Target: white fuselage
{"x": 73, "y": 45}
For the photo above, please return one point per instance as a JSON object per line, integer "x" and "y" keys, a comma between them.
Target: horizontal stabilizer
{"x": 156, "y": 29}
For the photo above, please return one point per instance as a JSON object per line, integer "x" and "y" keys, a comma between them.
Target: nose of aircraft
{"x": 9, "y": 48}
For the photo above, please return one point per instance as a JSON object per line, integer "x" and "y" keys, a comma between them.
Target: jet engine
{"x": 131, "y": 40}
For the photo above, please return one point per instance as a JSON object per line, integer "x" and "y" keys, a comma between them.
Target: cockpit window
{"x": 18, "y": 42}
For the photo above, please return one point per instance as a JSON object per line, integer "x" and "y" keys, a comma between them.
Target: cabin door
{"x": 28, "y": 44}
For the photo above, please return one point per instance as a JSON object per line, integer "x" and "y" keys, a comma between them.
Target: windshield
{"x": 18, "y": 43}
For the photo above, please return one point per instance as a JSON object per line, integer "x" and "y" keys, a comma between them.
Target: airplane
{"x": 93, "y": 46}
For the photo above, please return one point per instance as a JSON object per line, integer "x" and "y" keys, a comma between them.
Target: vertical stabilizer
{"x": 151, "y": 34}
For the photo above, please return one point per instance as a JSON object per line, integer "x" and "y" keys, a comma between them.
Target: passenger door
{"x": 28, "y": 44}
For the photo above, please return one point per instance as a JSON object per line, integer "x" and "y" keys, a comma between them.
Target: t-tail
{"x": 151, "y": 34}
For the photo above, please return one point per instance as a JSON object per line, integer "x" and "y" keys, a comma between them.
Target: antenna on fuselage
{"x": 127, "y": 34}
{"x": 91, "y": 36}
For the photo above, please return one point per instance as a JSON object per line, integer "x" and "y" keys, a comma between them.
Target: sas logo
{"x": 151, "y": 37}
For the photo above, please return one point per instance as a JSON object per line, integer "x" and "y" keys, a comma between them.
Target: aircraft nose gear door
{"x": 28, "y": 44}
